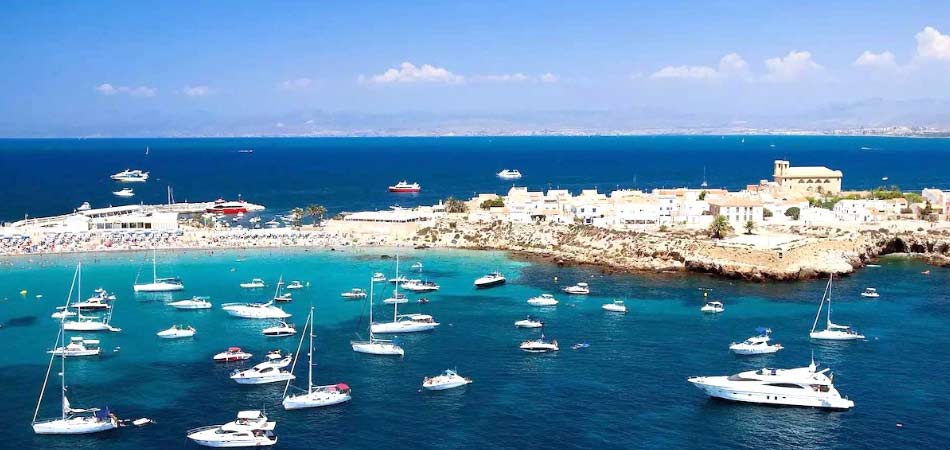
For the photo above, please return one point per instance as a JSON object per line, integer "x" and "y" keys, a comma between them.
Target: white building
{"x": 860, "y": 211}
{"x": 738, "y": 210}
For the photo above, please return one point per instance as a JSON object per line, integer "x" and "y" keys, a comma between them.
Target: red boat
{"x": 404, "y": 186}
{"x": 222, "y": 206}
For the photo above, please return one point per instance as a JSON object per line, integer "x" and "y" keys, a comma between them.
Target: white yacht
{"x": 529, "y": 322}
{"x": 130, "y": 176}
{"x": 870, "y": 293}
{"x": 86, "y": 323}
{"x": 125, "y": 192}
{"x": 420, "y": 286}
{"x": 286, "y": 297}
{"x": 268, "y": 371}
{"x": 92, "y": 304}
{"x": 539, "y": 345}
{"x": 509, "y": 174}
{"x": 255, "y": 283}
{"x": 379, "y": 277}
{"x": 250, "y": 429}
{"x": 713, "y": 307}
{"x": 282, "y": 329}
{"x": 255, "y": 310}
{"x": 232, "y": 354}
{"x": 177, "y": 332}
{"x": 158, "y": 284}
{"x": 314, "y": 396}
{"x": 543, "y": 300}
{"x": 491, "y": 280}
{"x": 375, "y": 346}
{"x": 192, "y": 303}
{"x": 803, "y": 386}
{"x": 615, "y": 306}
{"x": 448, "y": 379}
{"x": 832, "y": 331}
{"x": 294, "y": 285}
{"x": 759, "y": 344}
{"x": 397, "y": 299}
{"x": 578, "y": 289}
{"x": 85, "y": 206}
{"x": 78, "y": 346}
{"x": 354, "y": 294}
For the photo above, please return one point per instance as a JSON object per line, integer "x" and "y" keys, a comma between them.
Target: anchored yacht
{"x": 376, "y": 346}
{"x": 354, "y": 294}
{"x": 158, "y": 284}
{"x": 616, "y": 306}
{"x": 177, "y": 332}
{"x": 543, "y": 300}
{"x": 78, "y": 346}
{"x": 282, "y": 329}
{"x": 491, "y": 280}
{"x": 756, "y": 345}
{"x": 192, "y": 303}
{"x": 448, "y": 379}
{"x": 420, "y": 286}
{"x": 232, "y": 354}
{"x": 314, "y": 396}
{"x": 125, "y": 192}
{"x": 250, "y": 429}
{"x": 539, "y": 345}
{"x": 713, "y": 307}
{"x": 130, "y": 176}
{"x": 255, "y": 283}
{"x": 255, "y": 310}
{"x": 870, "y": 293}
{"x": 509, "y": 174}
{"x": 268, "y": 371}
{"x": 832, "y": 331}
{"x": 578, "y": 289}
{"x": 529, "y": 322}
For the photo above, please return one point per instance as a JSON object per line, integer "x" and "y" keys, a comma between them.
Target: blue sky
{"x": 113, "y": 67}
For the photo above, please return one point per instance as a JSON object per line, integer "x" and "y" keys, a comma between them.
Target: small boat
{"x": 543, "y": 300}
{"x": 378, "y": 277}
{"x": 251, "y": 429}
{"x": 84, "y": 323}
{"x": 580, "y": 345}
{"x": 158, "y": 284}
{"x": 255, "y": 310}
{"x": 284, "y": 298}
{"x": 268, "y": 371}
{"x": 397, "y": 298}
{"x": 255, "y": 283}
{"x": 616, "y": 306}
{"x": 295, "y": 285}
{"x": 539, "y": 345}
{"x": 759, "y": 344}
{"x": 92, "y": 304}
{"x": 232, "y": 354}
{"x": 713, "y": 307}
{"x": 405, "y": 187}
{"x": 314, "y": 396}
{"x": 420, "y": 286}
{"x": 832, "y": 331}
{"x": 509, "y": 174}
{"x": 130, "y": 176}
{"x": 192, "y": 303}
{"x": 577, "y": 289}
{"x": 448, "y": 379}
{"x": 529, "y": 322}
{"x": 177, "y": 332}
{"x": 125, "y": 192}
{"x": 280, "y": 330}
{"x": 422, "y": 301}
{"x": 376, "y": 346}
{"x": 78, "y": 346}
{"x": 85, "y": 206}
{"x": 870, "y": 293}
{"x": 354, "y": 294}
{"x": 926, "y": 272}
{"x": 491, "y": 280}
{"x": 417, "y": 265}
{"x": 405, "y": 323}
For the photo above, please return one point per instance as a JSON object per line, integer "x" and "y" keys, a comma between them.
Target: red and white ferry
{"x": 404, "y": 186}
{"x": 222, "y": 206}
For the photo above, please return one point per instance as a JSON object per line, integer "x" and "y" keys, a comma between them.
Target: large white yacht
{"x": 803, "y": 386}
{"x": 509, "y": 174}
{"x": 250, "y": 429}
{"x": 832, "y": 331}
{"x": 130, "y": 176}
{"x": 158, "y": 284}
{"x": 269, "y": 371}
{"x": 314, "y": 396}
{"x": 255, "y": 310}
{"x": 539, "y": 345}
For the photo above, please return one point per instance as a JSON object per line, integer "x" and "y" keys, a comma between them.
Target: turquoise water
{"x": 628, "y": 390}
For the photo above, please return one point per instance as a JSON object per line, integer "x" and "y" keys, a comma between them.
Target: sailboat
{"x": 71, "y": 420}
{"x": 81, "y": 322}
{"x": 158, "y": 284}
{"x": 704, "y": 184}
{"x": 832, "y": 331}
{"x": 406, "y": 323}
{"x": 375, "y": 346}
{"x": 314, "y": 396}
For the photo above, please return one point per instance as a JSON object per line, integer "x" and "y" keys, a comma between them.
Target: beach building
{"x": 524, "y": 206}
{"x": 861, "y": 211}
{"x": 396, "y": 222}
{"x": 590, "y": 207}
{"x": 128, "y": 217}
{"x": 807, "y": 180}
{"x": 737, "y": 209}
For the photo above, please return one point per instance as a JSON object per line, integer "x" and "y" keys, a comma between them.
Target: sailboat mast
{"x": 62, "y": 372}
{"x": 821, "y": 304}
{"x": 310, "y": 355}
{"x": 832, "y": 277}
{"x": 371, "y": 285}
{"x": 396, "y": 292}
{"x": 154, "y": 267}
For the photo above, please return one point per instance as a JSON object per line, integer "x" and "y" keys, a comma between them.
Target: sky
{"x": 72, "y": 68}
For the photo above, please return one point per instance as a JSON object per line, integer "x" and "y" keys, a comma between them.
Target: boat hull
{"x": 74, "y": 426}
{"x": 209, "y": 437}
{"x": 158, "y": 287}
{"x": 445, "y": 386}
{"x": 834, "y": 336}
{"x": 315, "y": 400}
{"x": 377, "y": 349}
{"x": 402, "y": 327}
{"x": 488, "y": 284}
{"x": 776, "y": 396}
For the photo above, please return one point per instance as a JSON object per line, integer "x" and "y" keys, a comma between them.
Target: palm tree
{"x": 298, "y": 215}
{"x": 720, "y": 227}
{"x": 316, "y": 212}
{"x": 749, "y": 226}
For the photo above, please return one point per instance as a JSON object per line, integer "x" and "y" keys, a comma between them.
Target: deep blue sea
{"x": 628, "y": 390}
{"x": 44, "y": 177}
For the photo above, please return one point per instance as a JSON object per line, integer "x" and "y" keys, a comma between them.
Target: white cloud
{"x": 883, "y": 60}
{"x": 298, "y": 83}
{"x": 730, "y": 66}
{"x": 196, "y": 91}
{"x": 518, "y": 77}
{"x": 933, "y": 45}
{"x": 141, "y": 91}
{"x": 409, "y": 73}
{"x": 549, "y": 78}
{"x": 794, "y": 66}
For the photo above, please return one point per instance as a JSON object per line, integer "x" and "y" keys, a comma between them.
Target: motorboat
{"x": 713, "y": 307}
{"x": 92, "y": 304}
{"x": 286, "y": 297}
{"x": 416, "y": 266}
{"x": 85, "y": 206}
{"x": 255, "y": 310}
{"x": 375, "y": 346}
{"x": 255, "y": 283}
{"x": 250, "y": 429}
{"x": 158, "y": 284}
{"x": 577, "y": 289}
{"x": 124, "y": 192}
{"x": 832, "y": 331}
{"x": 177, "y": 332}
{"x": 396, "y": 299}
{"x": 420, "y": 286}
{"x": 269, "y": 371}
{"x": 406, "y": 323}
{"x": 226, "y": 207}
{"x": 615, "y": 306}
{"x": 491, "y": 280}
{"x": 405, "y": 187}
{"x": 803, "y": 386}
{"x": 130, "y": 176}
{"x": 580, "y": 345}
{"x": 759, "y": 344}
{"x": 314, "y": 396}
{"x": 540, "y": 345}
{"x": 543, "y": 300}
{"x": 280, "y": 330}
{"x": 294, "y": 285}
{"x": 78, "y": 346}
{"x": 509, "y": 174}
{"x": 192, "y": 303}
{"x": 378, "y": 277}
{"x": 232, "y": 354}
{"x": 448, "y": 379}
{"x": 870, "y": 293}
{"x": 354, "y": 294}
{"x": 90, "y": 324}
{"x": 529, "y": 322}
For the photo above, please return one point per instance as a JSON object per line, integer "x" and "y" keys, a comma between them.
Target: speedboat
{"x": 509, "y": 174}
{"x": 529, "y": 322}
{"x": 405, "y": 187}
{"x": 577, "y": 289}
{"x": 539, "y": 345}
{"x": 78, "y": 346}
{"x": 125, "y": 192}
{"x": 446, "y": 380}
{"x": 759, "y": 344}
{"x": 712, "y": 307}
{"x": 354, "y": 294}
{"x": 177, "y": 332}
{"x": 130, "y": 176}
{"x": 85, "y": 206}
{"x": 295, "y": 285}
{"x": 268, "y": 371}
{"x": 803, "y": 386}
{"x": 379, "y": 277}
{"x": 251, "y": 429}
{"x": 192, "y": 303}
{"x": 870, "y": 292}
{"x": 222, "y": 206}
{"x": 616, "y": 306}
{"x": 315, "y": 396}
{"x": 543, "y": 300}
{"x": 406, "y": 323}
{"x": 280, "y": 330}
{"x": 420, "y": 286}
{"x": 255, "y": 283}
{"x": 491, "y": 280}
{"x": 284, "y": 298}
{"x": 397, "y": 298}
{"x": 255, "y": 310}
{"x": 232, "y": 354}
{"x": 832, "y": 331}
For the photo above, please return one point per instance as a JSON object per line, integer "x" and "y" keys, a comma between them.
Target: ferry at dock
{"x": 405, "y": 187}
{"x": 222, "y": 206}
